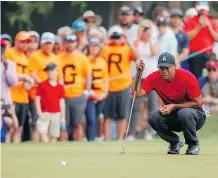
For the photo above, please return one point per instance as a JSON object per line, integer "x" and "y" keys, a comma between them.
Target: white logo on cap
{"x": 164, "y": 58}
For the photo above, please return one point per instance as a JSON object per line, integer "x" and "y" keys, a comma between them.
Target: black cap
{"x": 126, "y": 10}
{"x": 176, "y": 12}
{"x": 116, "y": 35}
{"x": 162, "y": 21}
{"x": 166, "y": 60}
{"x": 138, "y": 10}
{"x": 50, "y": 66}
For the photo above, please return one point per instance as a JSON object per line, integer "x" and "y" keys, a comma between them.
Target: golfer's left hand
{"x": 140, "y": 65}
{"x": 167, "y": 109}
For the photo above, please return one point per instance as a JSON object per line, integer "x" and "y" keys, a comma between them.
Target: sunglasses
{"x": 146, "y": 29}
{"x": 89, "y": 21}
{"x": 26, "y": 41}
{"x": 211, "y": 69}
{"x": 56, "y": 49}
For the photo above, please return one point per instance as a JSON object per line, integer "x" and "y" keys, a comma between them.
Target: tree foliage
{"x": 25, "y": 9}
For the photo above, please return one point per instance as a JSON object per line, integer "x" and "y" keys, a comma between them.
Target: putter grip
{"x": 138, "y": 74}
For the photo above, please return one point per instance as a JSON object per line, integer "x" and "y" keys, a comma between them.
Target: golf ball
{"x": 63, "y": 163}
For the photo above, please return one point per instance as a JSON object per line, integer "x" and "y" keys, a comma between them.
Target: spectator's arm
{"x": 106, "y": 79}
{"x": 35, "y": 77}
{"x": 26, "y": 78}
{"x": 87, "y": 71}
{"x": 213, "y": 32}
{"x": 191, "y": 34}
{"x": 38, "y": 106}
{"x": 11, "y": 75}
{"x": 155, "y": 47}
{"x": 184, "y": 54}
{"x": 62, "y": 108}
{"x": 62, "y": 104}
{"x": 185, "y": 50}
{"x": 88, "y": 81}
{"x": 135, "y": 48}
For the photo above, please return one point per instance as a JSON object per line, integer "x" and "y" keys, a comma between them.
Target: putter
{"x": 138, "y": 74}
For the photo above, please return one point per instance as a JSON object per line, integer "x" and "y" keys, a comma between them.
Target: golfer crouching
{"x": 180, "y": 92}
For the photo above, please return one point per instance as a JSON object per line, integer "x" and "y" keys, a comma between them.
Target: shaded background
{"x": 49, "y": 16}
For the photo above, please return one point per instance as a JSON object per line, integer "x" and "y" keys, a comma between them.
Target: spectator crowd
{"x": 75, "y": 84}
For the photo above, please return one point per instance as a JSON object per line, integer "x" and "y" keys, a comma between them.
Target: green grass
{"x": 144, "y": 159}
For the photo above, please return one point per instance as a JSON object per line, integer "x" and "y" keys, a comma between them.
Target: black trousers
{"x": 187, "y": 120}
{"x": 197, "y": 63}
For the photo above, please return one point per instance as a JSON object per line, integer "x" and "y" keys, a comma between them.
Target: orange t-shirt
{"x": 118, "y": 58}
{"x": 99, "y": 75}
{"x": 18, "y": 92}
{"x": 37, "y": 63}
{"x": 75, "y": 69}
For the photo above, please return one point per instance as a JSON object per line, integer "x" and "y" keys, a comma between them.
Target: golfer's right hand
{"x": 140, "y": 65}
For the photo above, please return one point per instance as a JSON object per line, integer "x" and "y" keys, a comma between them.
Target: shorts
{"x": 117, "y": 105}
{"x": 50, "y": 124}
{"x": 3, "y": 130}
{"x": 75, "y": 110}
{"x": 21, "y": 111}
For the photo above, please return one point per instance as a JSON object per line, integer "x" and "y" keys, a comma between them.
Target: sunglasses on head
{"x": 211, "y": 69}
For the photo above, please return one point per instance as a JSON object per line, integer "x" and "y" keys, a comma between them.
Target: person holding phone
{"x": 9, "y": 78}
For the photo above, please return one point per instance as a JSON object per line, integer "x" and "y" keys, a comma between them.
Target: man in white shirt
{"x": 168, "y": 42}
{"x": 130, "y": 29}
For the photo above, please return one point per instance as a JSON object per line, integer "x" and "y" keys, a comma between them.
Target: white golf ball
{"x": 63, "y": 163}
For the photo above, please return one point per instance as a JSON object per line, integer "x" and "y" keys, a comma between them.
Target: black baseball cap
{"x": 126, "y": 10}
{"x": 138, "y": 10}
{"x": 166, "y": 60}
{"x": 50, "y": 66}
{"x": 116, "y": 35}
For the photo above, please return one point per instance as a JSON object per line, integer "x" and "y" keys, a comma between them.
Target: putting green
{"x": 144, "y": 159}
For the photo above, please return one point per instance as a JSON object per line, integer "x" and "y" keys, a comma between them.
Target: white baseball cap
{"x": 191, "y": 12}
{"x": 48, "y": 37}
{"x": 114, "y": 29}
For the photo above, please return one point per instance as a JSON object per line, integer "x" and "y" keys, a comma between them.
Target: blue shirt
{"x": 183, "y": 41}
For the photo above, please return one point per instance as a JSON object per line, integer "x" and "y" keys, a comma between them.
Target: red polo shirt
{"x": 203, "y": 39}
{"x": 182, "y": 88}
{"x": 50, "y": 96}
